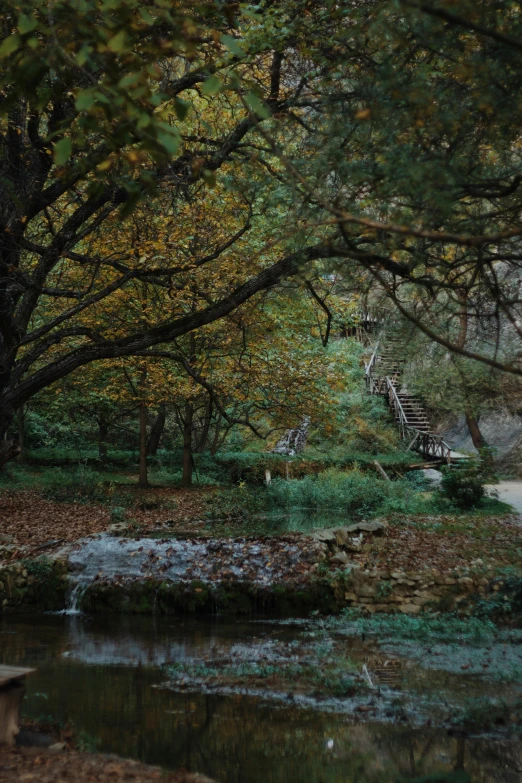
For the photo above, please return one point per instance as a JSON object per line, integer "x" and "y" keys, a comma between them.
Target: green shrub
{"x": 354, "y": 491}
{"x": 463, "y": 486}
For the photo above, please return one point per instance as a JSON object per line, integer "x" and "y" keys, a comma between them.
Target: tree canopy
{"x": 163, "y": 164}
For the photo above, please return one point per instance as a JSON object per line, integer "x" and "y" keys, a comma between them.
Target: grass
{"x": 426, "y": 628}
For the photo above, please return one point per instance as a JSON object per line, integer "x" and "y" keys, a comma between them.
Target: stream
{"x": 145, "y": 687}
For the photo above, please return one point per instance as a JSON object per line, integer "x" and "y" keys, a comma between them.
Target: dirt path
{"x": 510, "y": 492}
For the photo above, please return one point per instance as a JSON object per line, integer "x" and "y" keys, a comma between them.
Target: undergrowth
{"x": 446, "y": 627}
{"x": 355, "y": 491}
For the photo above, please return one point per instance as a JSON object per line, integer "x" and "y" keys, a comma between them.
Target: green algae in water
{"x": 430, "y": 628}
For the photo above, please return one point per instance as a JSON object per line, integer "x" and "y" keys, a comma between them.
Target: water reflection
{"x": 99, "y": 673}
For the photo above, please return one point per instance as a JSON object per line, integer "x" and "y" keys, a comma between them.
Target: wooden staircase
{"x": 383, "y": 376}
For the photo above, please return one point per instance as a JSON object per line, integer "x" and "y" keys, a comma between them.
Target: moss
{"x": 33, "y": 585}
{"x": 154, "y": 597}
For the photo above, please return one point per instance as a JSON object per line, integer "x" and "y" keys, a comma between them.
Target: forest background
{"x": 198, "y": 200}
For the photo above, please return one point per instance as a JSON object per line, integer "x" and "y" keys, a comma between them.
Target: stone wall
{"x": 30, "y": 586}
{"x": 409, "y": 592}
{"x": 33, "y": 587}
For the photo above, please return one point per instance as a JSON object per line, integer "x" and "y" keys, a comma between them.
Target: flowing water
{"x": 106, "y": 675}
{"x": 106, "y": 556}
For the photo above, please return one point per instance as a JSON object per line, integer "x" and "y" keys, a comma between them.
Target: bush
{"x": 354, "y": 491}
{"x": 463, "y": 486}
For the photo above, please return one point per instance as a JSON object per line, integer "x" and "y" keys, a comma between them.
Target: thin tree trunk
{"x": 215, "y": 439}
{"x": 103, "y": 434}
{"x": 473, "y": 425}
{"x": 157, "y": 431}
{"x": 21, "y": 428}
{"x": 186, "y": 479}
{"x": 479, "y": 441}
{"x": 474, "y": 431}
{"x": 144, "y": 477}
{"x": 202, "y": 441}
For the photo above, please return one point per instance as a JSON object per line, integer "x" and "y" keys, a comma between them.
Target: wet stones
{"x": 348, "y": 538}
{"x": 39, "y": 588}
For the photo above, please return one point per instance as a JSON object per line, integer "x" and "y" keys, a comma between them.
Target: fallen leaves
{"x": 34, "y": 765}
{"x": 29, "y": 524}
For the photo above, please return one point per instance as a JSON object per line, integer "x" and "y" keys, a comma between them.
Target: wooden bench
{"x": 11, "y": 693}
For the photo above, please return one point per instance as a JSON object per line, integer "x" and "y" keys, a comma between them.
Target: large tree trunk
{"x": 156, "y": 432}
{"x": 474, "y": 430}
{"x": 103, "y": 434}
{"x": 9, "y": 449}
{"x": 186, "y": 479}
{"x": 144, "y": 476}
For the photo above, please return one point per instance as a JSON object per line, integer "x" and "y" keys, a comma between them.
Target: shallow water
{"x": 102, "y": 673}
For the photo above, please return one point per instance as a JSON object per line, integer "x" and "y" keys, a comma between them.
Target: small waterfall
{"x": 74, "y": 598}
{"x": 294, "y": 440}
{"x": 110, "y": 559}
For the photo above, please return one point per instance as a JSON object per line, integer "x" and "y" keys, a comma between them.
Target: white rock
{"x": 433, "y": 476}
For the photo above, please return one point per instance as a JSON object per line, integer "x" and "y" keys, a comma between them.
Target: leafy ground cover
{"x": 33, "y": 521}
{"x": 43, "y": 766}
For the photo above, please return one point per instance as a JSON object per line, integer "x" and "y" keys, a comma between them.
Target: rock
{"x": 325, "y": 536}
{"x": 118, "y": 527}
{"x": 410, "y": 608}
{"x": 350, "y": 597}
{"x": 57, "y": 747}
{"x": 366, "y": 591}
{"x": 341, "y": 536}
{"x": 445, "y": 580}
{"x": 366, "y": 527}
{"x": 433, "y": 476}
{"x": 340, "y": 557}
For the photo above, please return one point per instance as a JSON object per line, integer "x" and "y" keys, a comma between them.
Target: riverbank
{"x": 187, "y": 562}
{"x": 40, "y": 765}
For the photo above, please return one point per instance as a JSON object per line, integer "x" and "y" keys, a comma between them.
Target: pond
{"x": 148, "y": 688}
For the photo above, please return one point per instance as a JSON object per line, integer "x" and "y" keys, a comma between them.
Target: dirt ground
{"x": 37, "y": 765}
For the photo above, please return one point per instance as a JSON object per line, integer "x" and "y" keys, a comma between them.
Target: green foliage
{"x": 40, "y": 568}
{"x": 353, "y": 491}
{"x": 463, "y": 486}
{"x": 109, "y": 66}
{"x": 87, "y": 743}
{"x": 425, "y": 628}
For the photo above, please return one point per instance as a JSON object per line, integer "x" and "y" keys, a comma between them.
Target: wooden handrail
{"x": 371, "y": 364}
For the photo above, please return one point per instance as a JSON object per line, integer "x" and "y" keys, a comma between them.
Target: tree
{"x": 380, "y": 135}
{"x": 409, "y": 155}
{"x": 96, "y": 100}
